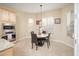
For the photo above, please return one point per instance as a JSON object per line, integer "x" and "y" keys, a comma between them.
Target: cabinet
{"x": 4, "y": 15}
{"x": 7, "y": 16}
{"x": 12, "y": 17}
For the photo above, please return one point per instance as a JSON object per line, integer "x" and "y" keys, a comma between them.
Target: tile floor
{"x": 23, "y": 48}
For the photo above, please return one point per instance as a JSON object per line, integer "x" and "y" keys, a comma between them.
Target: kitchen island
{"x": 6, "y": 48}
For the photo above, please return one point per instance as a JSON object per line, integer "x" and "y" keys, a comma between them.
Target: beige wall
{"x": 23, "y": 28}
{"x": 22, "y": 25}
{"x": 59, "y": 31}
{"x": 57, "y": 28}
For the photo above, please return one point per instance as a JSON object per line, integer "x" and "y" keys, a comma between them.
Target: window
{"x": 30, "y": 20}
{"x": 70, "y": 23}
{"x": 47, "y": 24}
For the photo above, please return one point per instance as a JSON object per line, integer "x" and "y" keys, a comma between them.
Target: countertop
{"x": 4, "y": 44}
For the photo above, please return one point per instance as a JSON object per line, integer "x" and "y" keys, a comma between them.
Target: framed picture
{"x": 57, "y": 20}
{"x": 37, "y": 22}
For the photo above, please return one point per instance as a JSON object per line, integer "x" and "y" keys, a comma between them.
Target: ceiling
{"x": 34, "y": 7}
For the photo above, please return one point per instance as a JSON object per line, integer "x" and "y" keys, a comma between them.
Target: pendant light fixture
{"x": 40, "y": 25}
{"x": 41, "y": 16}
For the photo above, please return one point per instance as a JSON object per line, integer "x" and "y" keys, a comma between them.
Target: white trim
{"x": 53, "y": 40}
{"x": 19, "y": 39}
{"x": 64, "y": 43}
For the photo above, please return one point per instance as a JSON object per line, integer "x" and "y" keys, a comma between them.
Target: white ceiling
{"x": 34, "y": 7}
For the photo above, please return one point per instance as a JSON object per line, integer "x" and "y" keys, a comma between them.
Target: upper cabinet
{"x": 7, "y": 16}
{"x": 4, "y": 15}
{"x": 12, "y": 17}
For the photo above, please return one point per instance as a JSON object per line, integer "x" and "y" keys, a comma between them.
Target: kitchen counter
{"x": 4, "y": 45}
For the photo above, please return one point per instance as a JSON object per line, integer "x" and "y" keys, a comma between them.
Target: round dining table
{"x": 41, "y": 35}
{"x": 41, "y": 38}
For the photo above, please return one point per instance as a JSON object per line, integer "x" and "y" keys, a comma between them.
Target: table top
{"x": 42, "y": 35}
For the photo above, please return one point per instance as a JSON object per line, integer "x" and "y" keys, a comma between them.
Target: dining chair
{"x": 34, "y": 40}
{"x": 48, "y": 40}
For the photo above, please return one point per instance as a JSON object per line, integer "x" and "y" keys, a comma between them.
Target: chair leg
{"x": 48, "y": 44}
{"x": 36, "y": 47}
{"x": 32, "y": 45}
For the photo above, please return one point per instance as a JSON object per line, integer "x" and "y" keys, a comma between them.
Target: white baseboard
{"x": 53, "y": 40}
{"x": 19, "y": 39}
{"x": 64, "y": 43}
